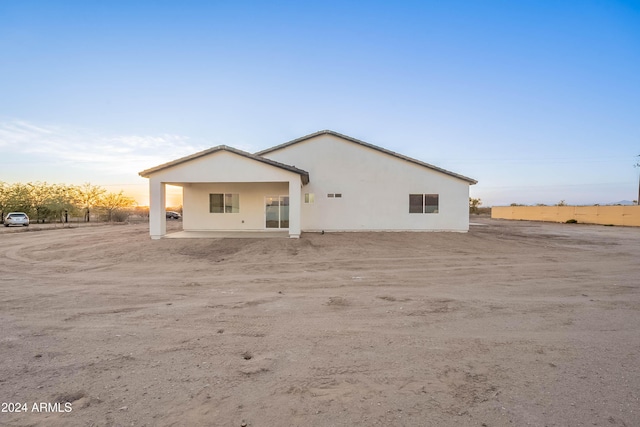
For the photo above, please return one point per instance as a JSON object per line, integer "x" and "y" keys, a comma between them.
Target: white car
{"x": 16, "y": 218}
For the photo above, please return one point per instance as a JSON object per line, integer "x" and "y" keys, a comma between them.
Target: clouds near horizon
{"x": 83, "y": 149}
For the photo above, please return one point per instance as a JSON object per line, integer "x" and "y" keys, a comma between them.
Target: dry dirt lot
{"x": 512, "y": 324}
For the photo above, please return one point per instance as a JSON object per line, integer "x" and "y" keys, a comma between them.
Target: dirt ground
{"x": 511, "y": 324}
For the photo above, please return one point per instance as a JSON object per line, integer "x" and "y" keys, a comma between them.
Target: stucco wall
{"x": 252, "y": 210}
{"x": 616, "y": 215}
{"x": 375, "y": 188}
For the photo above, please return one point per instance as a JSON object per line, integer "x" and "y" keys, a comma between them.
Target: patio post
{"x": 294, "y": 208}
{"x": 157, "y": 210}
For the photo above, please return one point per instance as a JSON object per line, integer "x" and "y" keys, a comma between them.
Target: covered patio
{"x": 228, "y": 190}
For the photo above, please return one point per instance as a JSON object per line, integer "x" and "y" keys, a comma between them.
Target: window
{"x": 224, "y": 203}
{"x": 309, "y": 198}
{"x": 424, "y": 203}
{"x": 330, "y": 195}
{"x": 430, "y": 203}
{"x": 415, "y": 203}
{"x": 216, "y": 203}
{"x": 231, "y": 203}
{"x": 334, "y": 195}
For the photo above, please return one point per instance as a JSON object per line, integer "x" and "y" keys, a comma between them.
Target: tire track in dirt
{"x": 35, "y": 243}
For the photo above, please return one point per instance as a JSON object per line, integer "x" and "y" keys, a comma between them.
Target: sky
{"x": 539, "y": 101}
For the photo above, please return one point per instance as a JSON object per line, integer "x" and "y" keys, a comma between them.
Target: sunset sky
{"x": 537, "y": 100}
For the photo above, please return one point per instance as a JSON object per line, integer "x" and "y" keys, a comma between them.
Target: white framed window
{"x": 224, "y": 203}
{"x": 309, "y": 198}
{"x": 424, "y": 203}
{"x": 431, "y": 203}
{"x": 334, "y": 195}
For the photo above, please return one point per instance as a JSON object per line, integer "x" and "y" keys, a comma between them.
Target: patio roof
{"x": 304, "y": 175}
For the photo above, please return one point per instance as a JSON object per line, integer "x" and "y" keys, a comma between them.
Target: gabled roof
{"x": 365, "y": 144}
{"x": 303, "y": 174}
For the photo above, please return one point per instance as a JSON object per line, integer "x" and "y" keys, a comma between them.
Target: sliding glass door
{"x": 276, "y": 211}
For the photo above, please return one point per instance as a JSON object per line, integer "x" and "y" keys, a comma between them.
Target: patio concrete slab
{"x": 207, "y": 234}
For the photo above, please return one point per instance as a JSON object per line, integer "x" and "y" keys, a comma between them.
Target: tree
{"x": 474, "y": 204}
{"x": 43, "y": 201}
{"x": 114, "y": 202}
{"x": 38, "y": 195}
{"x": 87, "y": 197}
{"x": 18, "y": 198}
{"x": 4, "y": 197}
{"x": 61, "y": 200}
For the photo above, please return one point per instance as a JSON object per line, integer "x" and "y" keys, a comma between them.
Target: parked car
{"x": 16, "y": 218}
{"x": 173, "y": 215}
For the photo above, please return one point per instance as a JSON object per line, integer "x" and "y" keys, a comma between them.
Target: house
{"x": 323, "y": 181}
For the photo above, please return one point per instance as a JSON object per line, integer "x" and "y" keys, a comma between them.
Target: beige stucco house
{"x": 323, "y": 181}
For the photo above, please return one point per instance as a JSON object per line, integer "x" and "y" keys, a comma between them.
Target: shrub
{"x": 119, "y": 216}
{"x": 571, "y": 221}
